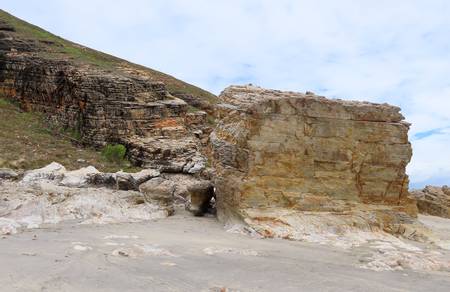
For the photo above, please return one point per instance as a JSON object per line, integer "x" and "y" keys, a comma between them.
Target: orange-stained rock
{"x": 309, "y": 154}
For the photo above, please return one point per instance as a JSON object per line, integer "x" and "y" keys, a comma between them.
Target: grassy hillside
{"x": 54, "y": 46}
{"x": 27, "y": 143}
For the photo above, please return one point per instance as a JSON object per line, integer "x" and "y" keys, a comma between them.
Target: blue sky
{"x": 382, "y": 51}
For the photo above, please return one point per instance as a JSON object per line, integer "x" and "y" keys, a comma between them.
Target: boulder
{"x": 159, "y": 191}
{"x": 8, "y": 226}
{"x": 192, "y": 191}
{"x": 55, "y": 173}
{"x": 6, "y": 173}
{"x": 78, "y": 178}
{"x": 433, "y": 201}
{"x": 52, "y": 172}
{"x": 182, "y": 182}
{"x": 123, "y": 180}
{"x": 132, "y": 181}
{"x": 196, "y": 165}
{"x": 103, "y": 179}
{"x": 143, "y": 176}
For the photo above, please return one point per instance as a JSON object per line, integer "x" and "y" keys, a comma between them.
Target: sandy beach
{"x": 185, "y": 253}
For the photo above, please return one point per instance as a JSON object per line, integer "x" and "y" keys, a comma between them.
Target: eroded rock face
{"x": 433, "y": 201}
{"x": 302, "y": 152}
{"x": 43, "y": 202}
{"x": 162, "y": 191}
{"x": 52, "y": 194}
{"x": 159, "y": 191}
{"x": 105, "y": 105}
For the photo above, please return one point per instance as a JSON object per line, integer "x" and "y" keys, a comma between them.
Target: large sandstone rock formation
{"x": 433, "y": 200}
{"x": 276, "y": 153}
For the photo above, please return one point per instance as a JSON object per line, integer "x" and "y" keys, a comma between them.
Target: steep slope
{"x": 103, "y": 98}
{"x": 29, "y": 37}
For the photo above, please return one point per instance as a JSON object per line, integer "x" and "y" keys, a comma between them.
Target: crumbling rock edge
{"x": 433, "y": 200}
{"x": 52, "y": 194}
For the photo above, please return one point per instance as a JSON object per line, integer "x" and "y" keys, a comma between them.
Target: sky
{"x": 375, "y": 50}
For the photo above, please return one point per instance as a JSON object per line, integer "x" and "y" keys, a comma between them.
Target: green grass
{"x": 57, "y": 47}
{"x": 114, "y": 153}
{"x": 4, "y": 103}
{"x": 26, "y": 142}
{"x": 192, "y": 109}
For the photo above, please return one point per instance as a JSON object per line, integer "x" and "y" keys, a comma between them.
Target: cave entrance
{"x": 202, "y": 200}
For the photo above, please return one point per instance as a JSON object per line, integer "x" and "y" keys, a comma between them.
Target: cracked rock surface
{"x": 306, "y": 154}
{"x": 433, "y": 200}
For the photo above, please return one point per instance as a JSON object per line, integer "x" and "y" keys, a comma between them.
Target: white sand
{"x": 184, "y": 253}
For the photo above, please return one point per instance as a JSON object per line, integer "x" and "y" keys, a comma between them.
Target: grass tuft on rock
{"x": 114, "y": 153}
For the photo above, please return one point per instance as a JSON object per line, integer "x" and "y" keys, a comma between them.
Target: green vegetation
{"x": 26, "y": 142}
{"x": 57, "y": 47}
{"x": 4, "y": 103}
{"x": 114, "y": 153}
{"x": 192, "y": 109}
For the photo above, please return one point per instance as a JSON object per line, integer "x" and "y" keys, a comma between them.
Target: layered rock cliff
{"x": 106, "y": 99}
{"x": 288, "y": 151}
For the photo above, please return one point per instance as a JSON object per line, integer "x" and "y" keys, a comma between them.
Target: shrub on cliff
{"x": 114, "y": 153}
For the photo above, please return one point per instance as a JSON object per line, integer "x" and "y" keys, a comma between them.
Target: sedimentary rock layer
{"x": 433, "y": 201}
{"x": 304, "y": 152}
{"x": 105, "y": 103}
{"x": 102, "y": 106}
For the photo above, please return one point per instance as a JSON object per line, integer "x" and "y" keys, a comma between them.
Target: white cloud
{"x": 386, "y": 51}
{"x": 431, "y": 160}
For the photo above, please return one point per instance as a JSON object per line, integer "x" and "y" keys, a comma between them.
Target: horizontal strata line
{"x": 149, "y": 120}
{"x": 362, "y": 141}
{"x": 400, "y": 122}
